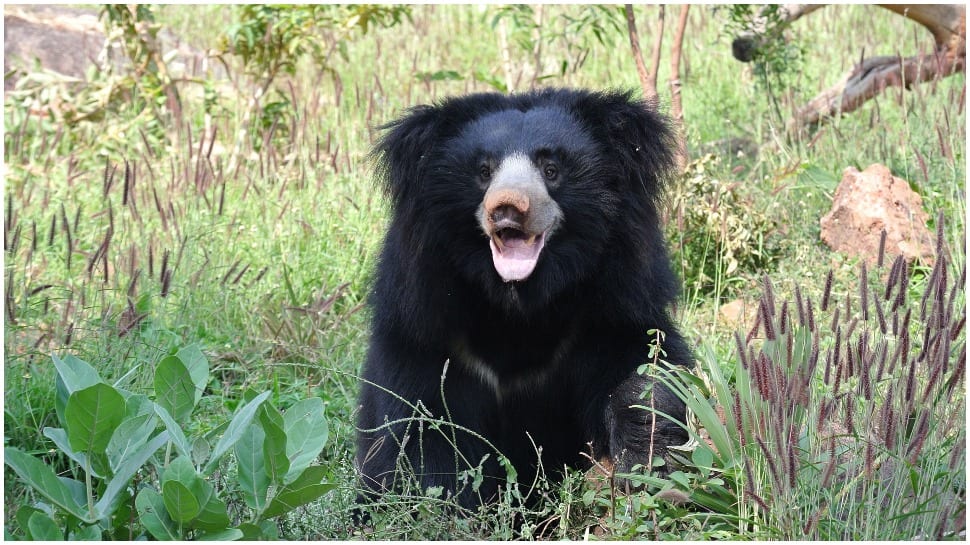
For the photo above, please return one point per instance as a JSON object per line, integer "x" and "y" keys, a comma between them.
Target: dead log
{"x": 946, "y": 22}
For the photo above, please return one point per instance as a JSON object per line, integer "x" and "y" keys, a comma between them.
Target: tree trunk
{"x": 649, "y": 91}
{"x": 676, "y": 108}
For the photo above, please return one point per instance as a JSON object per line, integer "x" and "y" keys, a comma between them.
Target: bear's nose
{"x": 507, "y": 216}
{"x": 507, "y": 208}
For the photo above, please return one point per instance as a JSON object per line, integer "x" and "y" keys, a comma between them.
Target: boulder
{"x": 872, "y": 201}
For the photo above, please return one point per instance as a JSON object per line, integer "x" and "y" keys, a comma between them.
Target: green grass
{"x": 270, "y": 264}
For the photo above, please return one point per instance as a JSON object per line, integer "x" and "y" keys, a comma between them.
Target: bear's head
{"x": 526, "y": 195}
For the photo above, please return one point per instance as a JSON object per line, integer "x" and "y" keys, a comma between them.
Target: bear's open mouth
{"x": 515, "y": 253}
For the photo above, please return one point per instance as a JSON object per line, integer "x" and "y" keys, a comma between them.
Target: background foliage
{"x": 163, "y": 213}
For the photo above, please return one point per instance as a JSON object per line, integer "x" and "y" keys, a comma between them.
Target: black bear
{"x": 523, "y": 267}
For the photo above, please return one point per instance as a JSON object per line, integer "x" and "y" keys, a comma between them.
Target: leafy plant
{"x": 777, "y": 60}
{"x": 717, "y": 229}
{"x": 272, "y": 39}
{"x": 113, "y": 436}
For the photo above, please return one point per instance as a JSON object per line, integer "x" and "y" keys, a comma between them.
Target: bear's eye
{"x": 550, "y": 171}
{"x": 485, "y": 172}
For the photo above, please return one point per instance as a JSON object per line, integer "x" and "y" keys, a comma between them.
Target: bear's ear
{"x": 640, "y": 138}
{"x": 402, "y": 151}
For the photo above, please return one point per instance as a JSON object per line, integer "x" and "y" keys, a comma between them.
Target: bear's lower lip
{"x": 515, "y": 254}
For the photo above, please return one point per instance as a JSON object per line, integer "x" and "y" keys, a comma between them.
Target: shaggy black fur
{"x": 548, "y": 363}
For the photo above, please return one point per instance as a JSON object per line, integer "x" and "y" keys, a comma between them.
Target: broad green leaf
{"x": 680, "y": 478}
{"x": 59, "y": 437}
{"x": 23, "y": 515}
{"x": 214, "y": 515}
{"x": 137, "y": 404}
{"x": 274, "y": 444}
{"x": 174, "y": 389}
{"x": 229, "y": 534}
{"x": 250, "y": 460}
{"x": 251, "y": 532}
{"x": 43, "y": 528}
{"x": 703, "y": 459}
{"x": 73, "y": 374}
{"x": 90, "y": 532}
{"x": 305, "y": 488}
{"x": 92, "y": 416}
{"x": 180, "y": 502}
{"x": 41, "y": 478}
{"x": 289, "y": 498}
{"x": 237, "y": 426}
{"x": 198, "y": 367}
{"x": 132, "y": 433}
{"x": 127, "y": 469}
{"x": 152, "y": 514}
{"x": 200, "y": 450}
{"x": 312, "y": 475}
{"x": 181, "y": 492}
{"x": 306, "y": 434}
{"x": 175, "y": 432}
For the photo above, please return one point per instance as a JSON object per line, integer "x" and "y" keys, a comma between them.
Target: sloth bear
{"x": 522, "y": 269}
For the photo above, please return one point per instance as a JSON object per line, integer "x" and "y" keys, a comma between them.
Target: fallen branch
{"x": 946, "y": 22}
{"x": 871, "y": 77}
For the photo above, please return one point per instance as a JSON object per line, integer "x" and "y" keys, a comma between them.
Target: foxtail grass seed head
{"x": 800, "y": 306}
{"x": 810, "y": 311}
{"x": 919, "y": 438}
{"x": 903, "y": 286}
{"x": 851, "y": 328}
{"x": 882, "y": 249}
{"x": 880, "y": 315}
{"x": 894, "y": 272}
{"x": 958, "y": 372}
{"x": 753, "y": 332}
{"x": 829, "y": 278}
{"x": 940, "y": 238}
{"x": 812, "y": 360}
{"x": 738, "y": 418}
{"x": 938, "y": 367}
{"x": 848, "y": 403}
{"x": 769, "y": 295}
{"x": 864, "y": 292}
{"x": 883, "y": 351}
{"x": 910, "y": 381}
{"x": 739, "y": 345}
{"x": 869, "y": 459}
{"x": 766, "y": 319}
{"x": 830, "y": 466}
{"x": 783, "y": 322}
{"x": 50, "y": 235}
{"x": 770, "y": 460}
{"x": 127, "y": 184}
{"x": 835, "y": 320}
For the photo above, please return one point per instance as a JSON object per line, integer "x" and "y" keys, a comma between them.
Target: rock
{"x": 737, "y": 314}
{"x": 868, "y": 202}
{"x": 64, "y": 40}
{"x": 69, "y": 41}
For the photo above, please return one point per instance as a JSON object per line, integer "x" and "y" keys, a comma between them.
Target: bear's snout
{"x": 507, "y": 208}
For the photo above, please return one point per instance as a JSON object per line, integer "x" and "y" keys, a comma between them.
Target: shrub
{"x": 133, "y": 488}
{"x": 717, "y": 230}
{"x": 845, "y": 419}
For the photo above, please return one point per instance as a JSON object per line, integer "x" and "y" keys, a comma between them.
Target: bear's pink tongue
{"x": 514, "y": 255}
